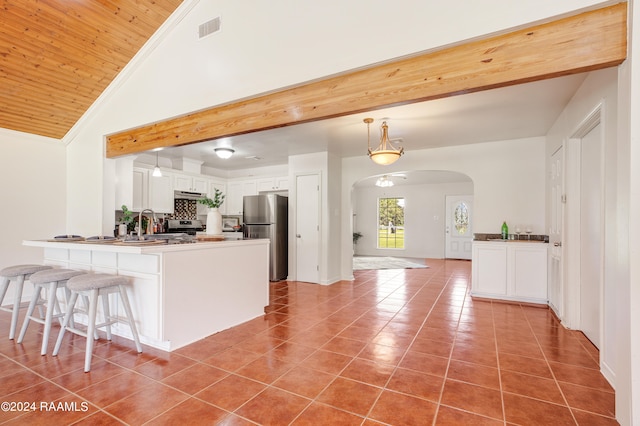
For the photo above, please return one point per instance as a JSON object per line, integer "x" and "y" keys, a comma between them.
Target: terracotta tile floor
{"x": 392, "y": 347}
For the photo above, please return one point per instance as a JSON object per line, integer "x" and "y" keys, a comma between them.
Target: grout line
{"x": 495, "y": 336}
{"x": 544, "y": 355}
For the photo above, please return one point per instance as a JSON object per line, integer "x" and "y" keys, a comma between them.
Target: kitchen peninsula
{"x": 179, "y": 293}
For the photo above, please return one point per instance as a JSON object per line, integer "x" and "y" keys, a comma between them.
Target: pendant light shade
{"x": 385, "y": 153}
{"x": 224, "y": 152}
{"x": 156, "y": 170}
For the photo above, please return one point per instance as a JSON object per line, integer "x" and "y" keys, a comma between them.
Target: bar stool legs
{"x": 95, "y": 286}
{"x": 19, "y": 274}
{"x": 50, "y": 280}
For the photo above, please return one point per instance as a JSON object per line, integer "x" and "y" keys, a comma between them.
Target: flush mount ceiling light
{"x": 385, "y": 153}
{"x": 224, "y": 152}
{"x": 156, "y": 170}
{"x": 384, "y": 182}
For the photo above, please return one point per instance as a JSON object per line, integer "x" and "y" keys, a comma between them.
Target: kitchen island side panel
{"x": 179, "y": 293}
{"x": 207, "y": 291}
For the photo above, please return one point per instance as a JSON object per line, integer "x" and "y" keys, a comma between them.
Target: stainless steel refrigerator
{"x": 267, "y": 216}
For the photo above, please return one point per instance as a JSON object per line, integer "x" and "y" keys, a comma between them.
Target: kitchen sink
{"x": 170, "y": 238}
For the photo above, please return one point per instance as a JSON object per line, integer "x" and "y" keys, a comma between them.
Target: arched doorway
{"x": 424, "y": 198}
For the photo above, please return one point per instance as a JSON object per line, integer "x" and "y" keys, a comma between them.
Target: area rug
{"x": 384, "y": 262}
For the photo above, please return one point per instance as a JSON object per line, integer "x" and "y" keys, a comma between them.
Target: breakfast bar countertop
{"x": 179, "y": 293}
{"x": 140, "y": 247}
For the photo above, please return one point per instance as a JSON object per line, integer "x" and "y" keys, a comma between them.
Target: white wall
{"x": 254, "y": 53}
{"x": 424, "y": 235}
{"x": 599, "y": 90}
{"x": 274, "y": 44}
{"x": 508, "y": 183}
{"x": 32, "y": 193}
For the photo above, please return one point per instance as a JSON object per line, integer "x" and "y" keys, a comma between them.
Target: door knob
{"x": 298, "y": 236}
{"x": 559, "y": 244}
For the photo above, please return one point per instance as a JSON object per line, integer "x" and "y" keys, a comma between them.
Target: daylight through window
{"x": 391, "y": 223}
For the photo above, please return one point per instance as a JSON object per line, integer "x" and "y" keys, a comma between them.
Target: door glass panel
{"x": 461, "y": 218}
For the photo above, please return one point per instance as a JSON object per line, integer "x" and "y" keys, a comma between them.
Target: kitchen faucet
{"x": 140, "y": 222}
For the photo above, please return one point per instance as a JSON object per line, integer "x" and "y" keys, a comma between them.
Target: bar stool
{"x": 94, "y": 285}
{"x": 50, "y": 280}
{"x": 17, "y": 273}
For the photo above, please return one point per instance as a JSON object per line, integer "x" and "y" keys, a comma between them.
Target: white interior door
{"x": 308, "y": 228}
{"x": 555, "y": 232}
{"x": 459, "y": 235}
{"x": 591, "y": 238}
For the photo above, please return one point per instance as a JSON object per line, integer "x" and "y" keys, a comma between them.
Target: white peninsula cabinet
{"x": 510, "y": 270}
{"x": 179, "y": 293}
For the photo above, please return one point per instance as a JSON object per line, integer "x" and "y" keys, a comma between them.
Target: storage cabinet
{"x": 236, "y": 192}
{"x": 161, "y": 194}
{"x": 273, "y": 184}
{"x": 190, "y": 183}
{"x": 140, "y": 190}
{"x": 513, "y": 270}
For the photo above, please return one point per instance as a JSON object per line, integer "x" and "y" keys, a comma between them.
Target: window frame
{"x": 396, "y": 234}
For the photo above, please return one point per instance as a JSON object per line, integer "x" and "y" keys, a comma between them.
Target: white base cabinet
{"x": 179, "y": 293}
{"x": 512, "y": 270}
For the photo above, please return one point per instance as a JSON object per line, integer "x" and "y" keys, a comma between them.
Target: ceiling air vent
{"x": 209, "y": 27}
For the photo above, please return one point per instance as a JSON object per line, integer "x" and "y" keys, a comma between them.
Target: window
{"x": 391, "y": 223}
{"x": 461, "y": 218}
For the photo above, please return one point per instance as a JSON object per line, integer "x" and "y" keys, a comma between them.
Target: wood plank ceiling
{"x": 585, "y": 42}
{"x": 57, "y": 57}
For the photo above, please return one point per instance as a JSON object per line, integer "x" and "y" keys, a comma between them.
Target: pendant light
{"x": 385, "y": 153}
{"x": 156, "y": 170}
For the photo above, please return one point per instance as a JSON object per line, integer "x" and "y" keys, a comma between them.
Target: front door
{"x": 459, "y": 236}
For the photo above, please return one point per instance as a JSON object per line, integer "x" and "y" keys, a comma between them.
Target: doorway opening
{"x": 423, "y": 204}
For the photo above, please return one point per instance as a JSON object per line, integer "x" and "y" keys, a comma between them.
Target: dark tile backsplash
{"x": 185, "y": 209}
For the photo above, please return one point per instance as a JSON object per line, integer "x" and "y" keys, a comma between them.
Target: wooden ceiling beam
{"x": 584, "y": 42}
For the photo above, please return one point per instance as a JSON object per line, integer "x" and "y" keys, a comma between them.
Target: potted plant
{"x": 216, "y": 202}
{"x": 126, "y": 222}
{"x": 356, "y": 237}
{"x": 214, "y": 217}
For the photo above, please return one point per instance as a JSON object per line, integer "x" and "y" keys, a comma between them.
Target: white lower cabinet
{"x": 513, "y": 270}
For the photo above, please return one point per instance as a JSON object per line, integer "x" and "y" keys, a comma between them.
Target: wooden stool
{"x": 17, "y": 273}
{"x": 51, "y": 280}
{"x": 94, "y": 285}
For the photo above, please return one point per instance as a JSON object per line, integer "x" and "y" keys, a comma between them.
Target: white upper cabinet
{"x": 273, "y": 184}
{"x": 140, "y": 190}
{"x": 190, "y": 183}
{"x": 235, "y": 194}
{"x": 161, "y": 193}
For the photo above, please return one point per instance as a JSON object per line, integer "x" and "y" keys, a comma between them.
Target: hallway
{"x": 392, "y": 347}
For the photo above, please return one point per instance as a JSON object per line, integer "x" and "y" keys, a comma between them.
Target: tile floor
{"x": 392, "y": 347}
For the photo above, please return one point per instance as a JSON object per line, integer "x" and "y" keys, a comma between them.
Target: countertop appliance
{"x": 267, "y": 216}
{"x": 189, "y": 227}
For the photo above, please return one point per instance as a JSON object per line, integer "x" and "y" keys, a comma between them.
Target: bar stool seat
{"x": 50, "y": 280}
{"x": 17, "y": 273}
{"x": 94, "y": 285}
